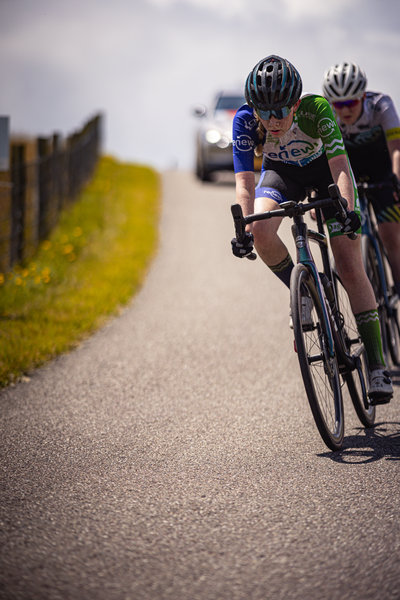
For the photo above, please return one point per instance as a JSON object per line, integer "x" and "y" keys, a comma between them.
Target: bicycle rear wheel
{"x": 355, "y": 380}
{"x": 320, "y": 372}
{"x": 393, "y": 336}
{"x": 392, "y": 316}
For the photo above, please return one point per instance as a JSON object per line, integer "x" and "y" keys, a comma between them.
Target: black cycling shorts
{"x": 386, "y": 209}
{"x": 291, "y": 183}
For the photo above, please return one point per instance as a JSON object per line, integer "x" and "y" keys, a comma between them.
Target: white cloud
{"x": 287, "y": 9}
{"x": 316, "y": 9}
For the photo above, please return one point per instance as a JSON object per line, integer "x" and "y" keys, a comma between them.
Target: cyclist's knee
{"x": 265, "y": 233}
{"x": 348, "y": 260}
{"x": 390, "y": 235}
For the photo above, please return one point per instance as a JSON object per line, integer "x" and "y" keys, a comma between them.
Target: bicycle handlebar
{"x": 288, "y": 209}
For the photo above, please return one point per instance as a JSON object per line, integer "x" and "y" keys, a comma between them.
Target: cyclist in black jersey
{"x": 370, "y": 127}
{"x": 302, "y": 147}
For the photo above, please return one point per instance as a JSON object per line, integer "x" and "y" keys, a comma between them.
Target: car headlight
{"x": 212, "y": 136}
{"x": 223, "y": 142}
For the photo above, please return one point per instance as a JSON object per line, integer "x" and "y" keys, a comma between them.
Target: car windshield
{"x": 230, "y": 102}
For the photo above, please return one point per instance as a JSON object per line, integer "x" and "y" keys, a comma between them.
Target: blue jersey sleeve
{"x": 244, "y": 139}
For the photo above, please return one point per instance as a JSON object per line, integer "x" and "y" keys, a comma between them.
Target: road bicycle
{"x": 376, "y": 264}
{"x": 329, "y": 348}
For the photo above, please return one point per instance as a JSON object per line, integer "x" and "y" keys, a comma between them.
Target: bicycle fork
{"x": 300, "y": 235}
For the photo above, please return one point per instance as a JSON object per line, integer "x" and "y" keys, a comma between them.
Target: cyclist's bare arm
{"x": 245, "y": 192}
{"x": 394, "y": 151}
{"x": 340, "y": 171}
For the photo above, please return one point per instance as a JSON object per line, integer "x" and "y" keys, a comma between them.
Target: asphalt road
{"x": 173, "y": 455}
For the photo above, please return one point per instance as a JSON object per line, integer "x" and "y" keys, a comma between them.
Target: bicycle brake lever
{"x": 340, "y": 204}
{"x": 240, "y": 227}
{"x": 239, "y": 222}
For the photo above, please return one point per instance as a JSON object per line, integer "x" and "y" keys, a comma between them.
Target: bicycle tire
{"x": 355, "y": 380}
{"x": 370, "y": 261}
{"x": 392, "y": 318}
{"x": 393, "y": 336}
{"x": 320, "y": 373}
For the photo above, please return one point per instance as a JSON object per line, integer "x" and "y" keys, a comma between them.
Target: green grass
{"x": 90, "y": 267}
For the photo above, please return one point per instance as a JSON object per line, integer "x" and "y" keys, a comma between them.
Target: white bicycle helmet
{"x": 344, "y": 81}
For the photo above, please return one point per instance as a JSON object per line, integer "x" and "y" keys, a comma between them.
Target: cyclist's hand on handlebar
{"x": 243, "y": 249}
{"x": 351, "y": 224}
{"x": 396, "y": 188}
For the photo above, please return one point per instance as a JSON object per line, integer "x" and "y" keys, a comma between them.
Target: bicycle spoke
{"x": 355, "y": 380}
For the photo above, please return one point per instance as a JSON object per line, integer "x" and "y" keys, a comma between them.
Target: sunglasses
{"x": 279, "y": 114}
{"x": 348, "y": 103}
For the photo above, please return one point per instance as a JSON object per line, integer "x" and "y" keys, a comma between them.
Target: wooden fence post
{"x": 18, "y": 177}
{"x": 5, "y": 220}
{"x": 31, "y": 234}
{"x": 45, "y": 186}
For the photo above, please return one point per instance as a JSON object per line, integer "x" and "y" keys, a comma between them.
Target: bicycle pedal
{"x": 378, "y": 401}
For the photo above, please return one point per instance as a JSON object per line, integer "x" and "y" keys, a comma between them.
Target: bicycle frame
{"x": 301, "y": 235}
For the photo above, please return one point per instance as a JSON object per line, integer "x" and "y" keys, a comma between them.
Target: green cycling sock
{"x": 370, "y": 333}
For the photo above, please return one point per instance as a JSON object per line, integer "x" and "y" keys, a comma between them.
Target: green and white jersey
{"x": 314, "y": 132}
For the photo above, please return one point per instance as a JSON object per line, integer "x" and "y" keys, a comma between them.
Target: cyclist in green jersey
{"x": 302, "y": 147}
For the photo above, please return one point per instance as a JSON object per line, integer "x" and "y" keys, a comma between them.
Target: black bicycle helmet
{"x": 273, "y": 84}
{"x": 344, "y": 81}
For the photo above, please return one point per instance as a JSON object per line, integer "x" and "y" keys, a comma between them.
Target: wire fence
{"x": 46, "y": 174}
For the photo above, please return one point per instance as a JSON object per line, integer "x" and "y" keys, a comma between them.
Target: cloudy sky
{"x": 145, "y": 63}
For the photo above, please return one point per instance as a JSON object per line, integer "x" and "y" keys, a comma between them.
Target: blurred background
{"x": 145, "y": 64}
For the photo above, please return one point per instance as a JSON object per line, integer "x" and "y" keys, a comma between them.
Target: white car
{"x": 214, "y": 136}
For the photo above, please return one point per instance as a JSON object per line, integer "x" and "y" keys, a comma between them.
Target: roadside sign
{"x": 4, "y": 143}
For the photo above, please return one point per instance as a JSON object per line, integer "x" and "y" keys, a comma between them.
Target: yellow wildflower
{"x": 68, "y": 248}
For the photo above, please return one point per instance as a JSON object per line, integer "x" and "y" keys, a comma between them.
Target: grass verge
{"x": 93, "y": 263}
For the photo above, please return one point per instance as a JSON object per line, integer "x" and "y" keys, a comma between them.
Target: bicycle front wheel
{"x": 320, "y": 371}
{"x": 355, "y": 380}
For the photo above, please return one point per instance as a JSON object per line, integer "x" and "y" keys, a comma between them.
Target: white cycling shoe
{"x": 380, "y": 389}
{"x": 306, "y": 317}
